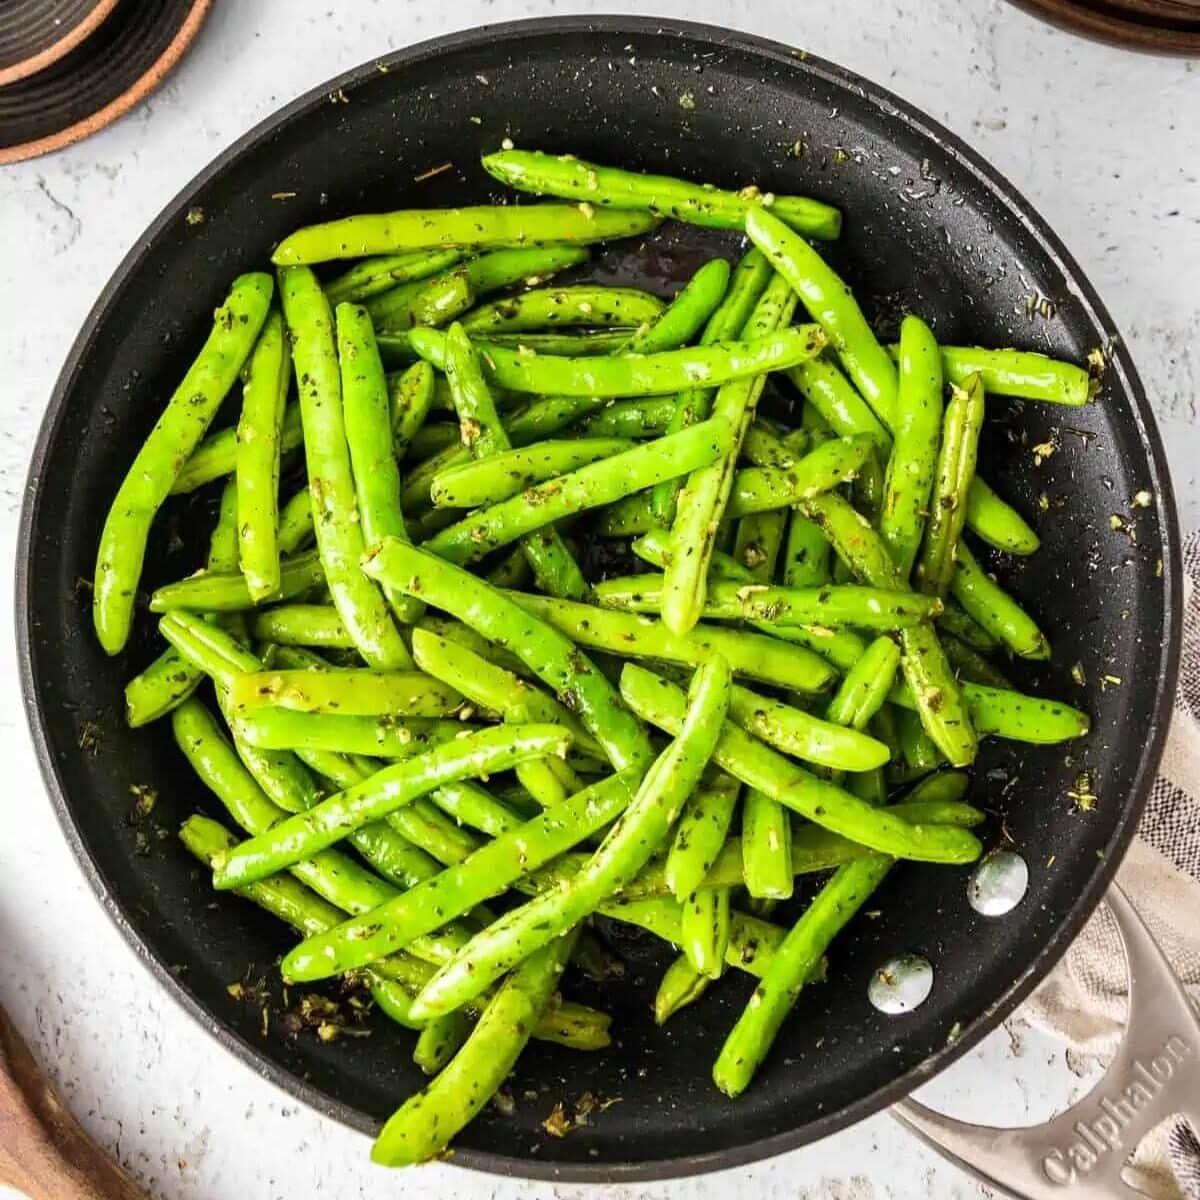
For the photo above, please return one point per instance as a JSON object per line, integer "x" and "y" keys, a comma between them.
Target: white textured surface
{"x": 1098, "y": 140}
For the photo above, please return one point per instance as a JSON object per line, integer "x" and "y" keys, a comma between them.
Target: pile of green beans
{"x": 410, "y": 675}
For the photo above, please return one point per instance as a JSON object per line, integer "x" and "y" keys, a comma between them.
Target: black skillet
{"x": 929, "y": 227}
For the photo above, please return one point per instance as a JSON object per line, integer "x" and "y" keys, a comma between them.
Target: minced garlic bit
{"x": 1043, "y": 450}
{"x": 587, "y": 209}
{"x": 1078, "y": 675}
{"x": 1083, "y": 794}
{"x": 507, "y": 144}
{"x": 687, "y": 100}
{"x": 1142, "y": 499}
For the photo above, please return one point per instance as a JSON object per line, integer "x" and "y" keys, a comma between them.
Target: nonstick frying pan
{"x": 929, "y": 227}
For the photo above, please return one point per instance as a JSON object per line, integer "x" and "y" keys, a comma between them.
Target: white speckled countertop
{"x": 1097, "y": 139}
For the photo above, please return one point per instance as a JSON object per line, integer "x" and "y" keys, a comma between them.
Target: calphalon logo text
{"x": 1105, "y": 1132}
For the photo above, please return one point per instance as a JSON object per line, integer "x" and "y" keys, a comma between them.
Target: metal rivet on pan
{"x": 901, "y": 984}
{"x": 998, "y": 884}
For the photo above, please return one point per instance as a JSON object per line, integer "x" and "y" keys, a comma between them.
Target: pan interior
{"x": 926, "y": 230}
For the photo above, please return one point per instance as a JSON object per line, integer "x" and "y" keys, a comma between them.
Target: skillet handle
{"x": 44, "y": 1152}
{"x": 1079, "y": 1155}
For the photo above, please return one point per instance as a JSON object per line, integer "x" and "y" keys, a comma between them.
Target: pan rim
{"x": 1001, "y": 192}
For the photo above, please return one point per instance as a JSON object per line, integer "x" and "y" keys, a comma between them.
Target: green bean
{"x": 624, "y": 851}
{"x": 914, "y": 455}
{"x": 423, "y": 1126}
{"x": 490, "y": 480}
{"x": 552, "y": 563}
{"x": 293, "y": 903}
{"x": 987, "y": 515}
{"x": 223, "y": 547}
{"x": 631, "y": 636}
{"x": 375, "y": 275}
{"x": 706, "y": 493}
{"x": 154, "y": 692}
{"x": 425, "y": 302}
{"x": 210, "y": 649}
{"x": 492, "y": 687}
{"x": 454, "y": 631}
{"x": 704, "y": 930}
{"x": 947, "y": 504}
{"x": 700, "y": 835}
{"x": 839, "y": 647}
{"x": 1020, "y": 373}
{"x": 680, "y": 986}
{"x": 832, "y": 306}
{"x": 763, "y": 446}
{"x": 956, "y": 622}
{"x": 699, "y": 204}
{"x": 424, "y": 824}
{"x": 866, "y": 608}
{"x": 511, "y": 571}
{"x": 591, "y": 486}
{"x": 575, "y": 344}
{"x": 682, "y": 319}
{"x": 295, "y": 524}
{"x": 970, "y": 665}
{"x": 999, "y": 712}
{"x": 920, "y": 754}
{"x": 171, "y": 678}
{"x": 634, "y": 375}
{"x": 383, "y": 737}
{"x": 548, "y": 308}
{"x": 752, "y": 941}
{"x": 331, "y": 874}
{"x": 216, "y": 456}
{"x": 942, "y": 788}
{"x": 392, "y": 981}
{"x": 813, "y": 849}
{"x": 805, "y": 554}
{"x": 471, "y": 805}
{"x": 434, "y": 438}
{"x": 368, "y": 423}
{"x": 302, "y": 625}
{"x": 228, "y": 592}
{"x": 943, "y": 711}
{"x": 162, "y": 456}
{"x": 440, "y": 1040}
{"x": 832, "y": 397}
{"x": 489, "y": 872}
{"x": 790, "y": 967}
{"x": 480, "y": 227}
{"x": 821, "y": 802}
{"x": 505, "y": 268}
{"x": 268, "y": 374}
{"x": 997, "y": 522}
{"x": 805, "y": 736}
{"x": 766, "y": 847}
{"x": 550, "y": 655}
{"x": 575, "y": 1026}
{"x": 353, "y": 692}
{"x": 410, "y": 399}
{"x": 994, "y": 609}
{"x": 301, "y": 836}
{"x": 397, "y": 859}
{"x": 757, "y": 543}
{"x": 864, "y": 689}
{"x": 746, "y": 287}
{"x": 640, "y": 418}
{"x": 340, "y": 541}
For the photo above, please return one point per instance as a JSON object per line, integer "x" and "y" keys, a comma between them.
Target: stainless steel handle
{"x": 1079, "y": 1155}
